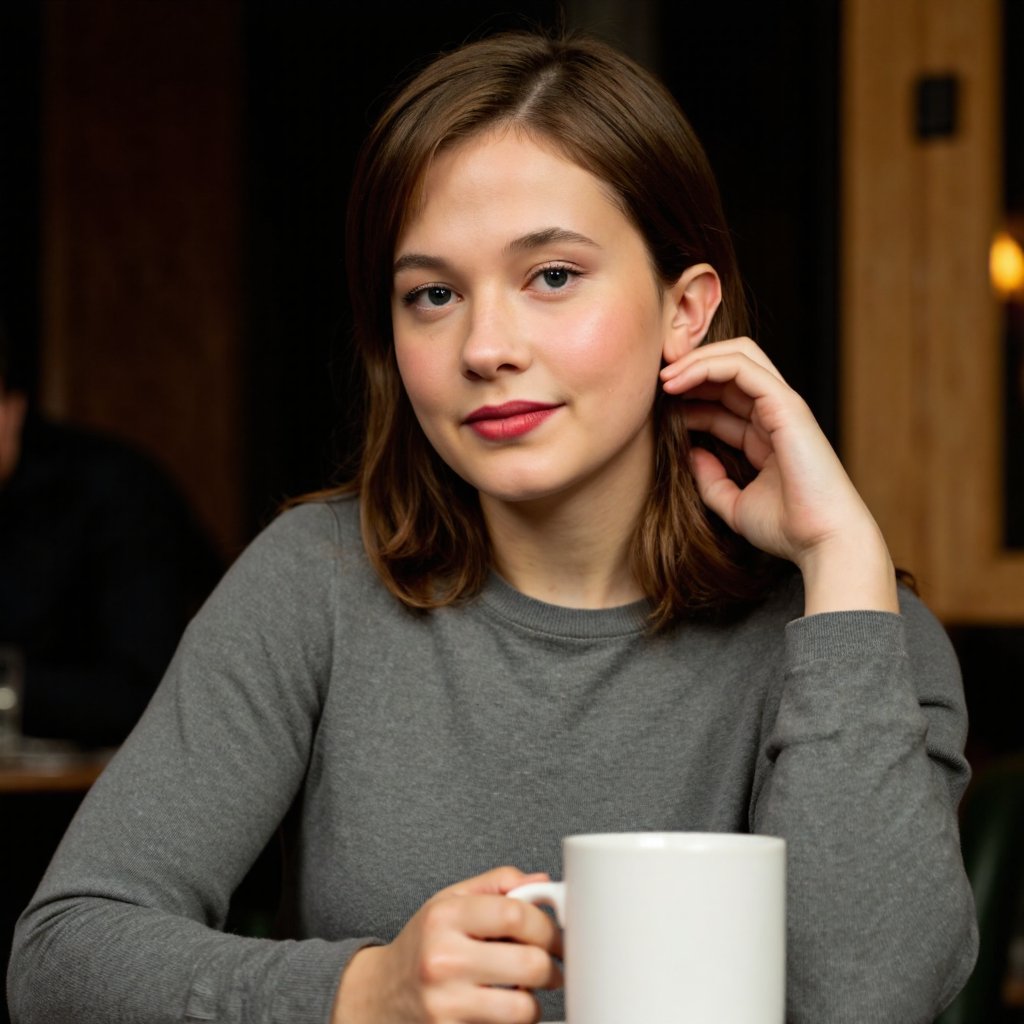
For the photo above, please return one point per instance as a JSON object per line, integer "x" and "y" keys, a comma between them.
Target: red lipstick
{"x": 512, "y": 419}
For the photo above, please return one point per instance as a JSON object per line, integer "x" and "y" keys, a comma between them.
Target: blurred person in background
{"x": 101, "y": 565}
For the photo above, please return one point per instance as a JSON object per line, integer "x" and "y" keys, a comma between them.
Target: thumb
{"x": 716, "y": 489}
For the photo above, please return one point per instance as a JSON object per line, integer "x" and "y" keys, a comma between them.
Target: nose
{"x": 495, "y": 341}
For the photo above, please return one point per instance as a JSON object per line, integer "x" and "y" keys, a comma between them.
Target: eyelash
{"x": 568, "y": 268}
{"x": 409, "y": 299}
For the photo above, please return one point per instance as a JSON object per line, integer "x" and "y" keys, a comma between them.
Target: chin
{"x": 518, "y": 495}
{"x": 525, "y": 490}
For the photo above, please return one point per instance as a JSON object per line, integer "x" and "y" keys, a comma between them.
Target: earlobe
{"x": 692, "y": 300}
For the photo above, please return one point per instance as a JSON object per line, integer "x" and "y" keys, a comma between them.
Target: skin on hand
{"x": 445, "y": 963}
{"x": 801, "y": 506}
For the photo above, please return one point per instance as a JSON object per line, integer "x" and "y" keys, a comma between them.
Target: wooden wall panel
{"x": 880, "y": 354}
{"x": 921, "y": 349}
{"x": 141, "y": 242}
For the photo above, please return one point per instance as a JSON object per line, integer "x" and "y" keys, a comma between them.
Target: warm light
{"x": 1006, "y": 265}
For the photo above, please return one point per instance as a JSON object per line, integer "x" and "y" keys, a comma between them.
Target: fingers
{"x": 742, "y": 378}
{"x": 507, "y": 1006}
{"x": 736, "y": 431}
{"x": 506, "y": 919}
{"x": 497, "y": 881}
{"x": 488, "y": 939}
{"x": 509, "y": 963}
{"x": 497, "y": 917}
{"x": 487, "y": 1006}
{"x": 739, "y": 376}
{"x": 717, "y": 490}
{"x": 736, "y": 377}
{"x": 734, "y": 348}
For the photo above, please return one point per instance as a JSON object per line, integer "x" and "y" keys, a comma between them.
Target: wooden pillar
{"x": 141, "y": 236}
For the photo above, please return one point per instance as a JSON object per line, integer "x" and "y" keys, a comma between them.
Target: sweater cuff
{"x": 846, "y": 676}
{"x": 314, "y": 972}
{"x": 838, "y": 636}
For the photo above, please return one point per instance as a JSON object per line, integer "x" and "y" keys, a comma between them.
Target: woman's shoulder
{"x": 302, "y": 548}
{"x": 328, "y": 519}
{"x": 293, "y": 576}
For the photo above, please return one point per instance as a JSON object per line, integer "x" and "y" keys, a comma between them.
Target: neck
{"x": 570, "y": 549}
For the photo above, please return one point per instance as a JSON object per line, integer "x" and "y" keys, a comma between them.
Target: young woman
{"x": 536, "y": 611}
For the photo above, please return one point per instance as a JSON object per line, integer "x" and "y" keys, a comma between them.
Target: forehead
{"x": 502, "y": 172}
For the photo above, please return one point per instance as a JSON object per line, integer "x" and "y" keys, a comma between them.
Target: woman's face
{"x": 528, "y": 324}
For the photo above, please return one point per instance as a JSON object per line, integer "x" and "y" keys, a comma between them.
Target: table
{"x": 41, "y": 767}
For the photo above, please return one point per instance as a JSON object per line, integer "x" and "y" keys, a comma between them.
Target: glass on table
{"x": 12, "y": 685}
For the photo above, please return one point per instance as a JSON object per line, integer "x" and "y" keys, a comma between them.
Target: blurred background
{"x": 173, "y": 176}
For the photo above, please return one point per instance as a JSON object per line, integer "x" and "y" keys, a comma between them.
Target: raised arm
{"x": 863, "y": 769}
{"x": 863, "y": 765}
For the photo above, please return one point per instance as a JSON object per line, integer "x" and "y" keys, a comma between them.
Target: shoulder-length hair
{"x": 422, "y": 524}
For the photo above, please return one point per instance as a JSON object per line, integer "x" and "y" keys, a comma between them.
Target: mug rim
{"x": 694, "y": 842}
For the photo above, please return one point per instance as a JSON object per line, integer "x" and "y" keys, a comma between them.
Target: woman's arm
{"x": 863, "y": 769}
{"x": 863, "y": 763}
{"x": 124, "y": 925}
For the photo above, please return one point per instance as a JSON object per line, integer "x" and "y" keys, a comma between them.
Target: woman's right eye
{"x": 430, "y": 296}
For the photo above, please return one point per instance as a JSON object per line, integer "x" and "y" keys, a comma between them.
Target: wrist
{"x": 851, "y": 573}
{"x": 353, "y": 999}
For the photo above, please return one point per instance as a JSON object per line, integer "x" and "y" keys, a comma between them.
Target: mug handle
{"x": 551, "y": 894}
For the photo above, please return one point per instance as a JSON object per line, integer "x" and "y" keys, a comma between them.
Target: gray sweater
{"x": 403, "y": 752}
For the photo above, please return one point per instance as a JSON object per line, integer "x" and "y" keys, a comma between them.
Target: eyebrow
{"x": 420, "y": 261}
{"x": 536, "y": 239}
{"x": 533, "y": 240}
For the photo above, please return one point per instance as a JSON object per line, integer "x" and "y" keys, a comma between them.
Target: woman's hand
{"x": 801, "y": 505}
{"x": 446, "y": 962}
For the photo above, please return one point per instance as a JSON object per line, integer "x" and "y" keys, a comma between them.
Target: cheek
{"x": 615, "y": 351}
{"x": 420, "y": 376}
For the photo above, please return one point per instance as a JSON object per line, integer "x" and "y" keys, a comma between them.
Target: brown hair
{"x": 421, "y": 524}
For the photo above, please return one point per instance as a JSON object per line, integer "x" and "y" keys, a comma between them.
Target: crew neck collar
{"x": 556, "y": 620}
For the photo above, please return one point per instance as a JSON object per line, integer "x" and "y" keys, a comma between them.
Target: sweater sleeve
{"x": 865, "y": 768}
{"x": 124, "y": 927}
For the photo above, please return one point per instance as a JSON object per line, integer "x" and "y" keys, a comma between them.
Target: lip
{"x": 511, "y": 419}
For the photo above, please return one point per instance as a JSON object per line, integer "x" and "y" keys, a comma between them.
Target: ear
{"x": 690, "y": 305}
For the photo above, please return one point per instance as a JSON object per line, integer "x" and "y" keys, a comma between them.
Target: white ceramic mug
{"x": 671, "y": 927}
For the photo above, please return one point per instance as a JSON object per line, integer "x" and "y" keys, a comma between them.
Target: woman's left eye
{"x": 555, "y": 278}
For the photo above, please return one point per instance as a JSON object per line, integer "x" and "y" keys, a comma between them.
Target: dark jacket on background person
{"x": 101, "y": 566}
